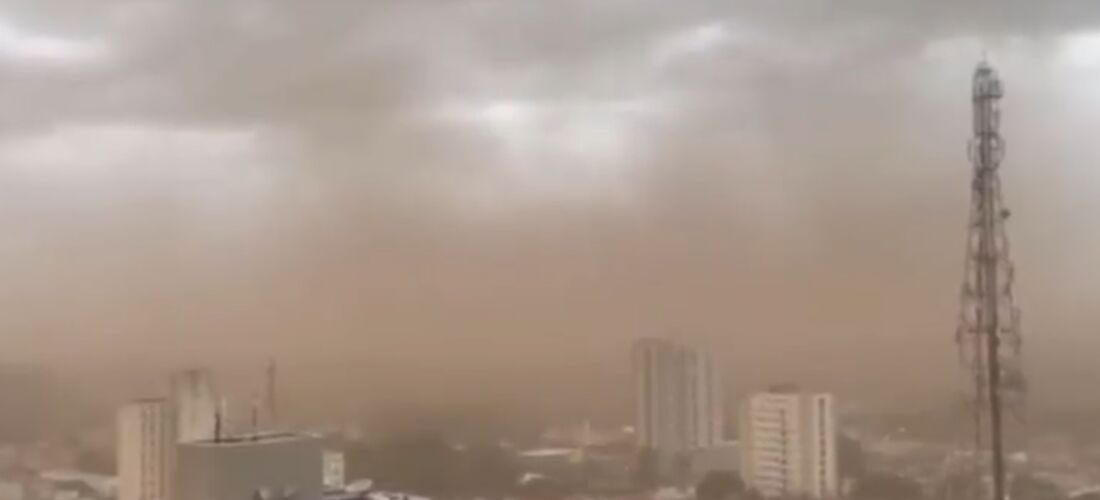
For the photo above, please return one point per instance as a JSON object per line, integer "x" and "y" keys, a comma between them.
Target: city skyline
{"x": 549, "y": 250}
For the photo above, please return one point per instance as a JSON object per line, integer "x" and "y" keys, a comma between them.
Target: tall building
{"x": 789, "y": 444}
{"x": 196, "y": 405}
{"x": 278, "y": 466}
{"x": 332, "y": 462}
{"x": 678, "y": 398}
{"x": 145, "y": 450}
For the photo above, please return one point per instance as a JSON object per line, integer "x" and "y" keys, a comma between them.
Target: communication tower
{"x": 988, "y": 333}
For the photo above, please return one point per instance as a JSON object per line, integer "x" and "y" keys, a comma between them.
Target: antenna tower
{"x": 988, "y": 333}
{"x": 271, "y": 393}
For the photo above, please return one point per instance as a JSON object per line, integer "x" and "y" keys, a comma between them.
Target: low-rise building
{"x": 278, "y": 466}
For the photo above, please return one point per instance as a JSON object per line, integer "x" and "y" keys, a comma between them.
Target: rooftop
{"x": 548, "y": 452}
{"x": 252, "y": 439}
{"x": 784, "y": 388}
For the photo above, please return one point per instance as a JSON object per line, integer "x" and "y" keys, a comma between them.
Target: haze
{"x": 435, "y": 203}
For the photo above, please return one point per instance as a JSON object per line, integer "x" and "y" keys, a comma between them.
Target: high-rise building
{"x": 678, "y": 398}
{"x": 145, "y": 450}
{"x": 195, "y": 405}
{"x": 279, "y": 466}
{"x": 332, "y": 462}
{"x": 789, "y": 444}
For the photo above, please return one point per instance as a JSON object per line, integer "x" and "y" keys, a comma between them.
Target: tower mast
{"x": 988, "y": 334}
{"x": 270, "y": 389}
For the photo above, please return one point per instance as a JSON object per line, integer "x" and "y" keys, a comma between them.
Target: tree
{"x": 719, "y": 485}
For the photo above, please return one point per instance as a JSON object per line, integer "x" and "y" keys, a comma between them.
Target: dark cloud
{"x": 438, "y": 192}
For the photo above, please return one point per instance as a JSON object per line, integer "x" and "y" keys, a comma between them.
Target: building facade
{"x": 678, "y": 399}
{"x": 145, "y": 450}
{"x": 280, "y": 466}
{"x": 789, "y": 444}
{"x": 334, "y": 470}
{"x": 722, "y": 458}
{"x": 195, "y": 405}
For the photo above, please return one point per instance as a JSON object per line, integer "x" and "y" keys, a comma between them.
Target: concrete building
{"x": 334, "y": 470}
{"x": 789, "y": 444}
{"x": 279, "y": 466}
{"x": 195, "y": 405}
{"x": 145, "y": 450}
{"x": 678, "y": 398}
{"x": 725, "y": 457}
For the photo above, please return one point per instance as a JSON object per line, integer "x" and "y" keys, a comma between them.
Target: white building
{"x": 334, "y": 470}
{"x": 279, "y": 466}
{"x": 678, "y": 398}
{"x": 195, "y": 404}
{"x": 145, "y": 450}
{"x": 789, "y": 444}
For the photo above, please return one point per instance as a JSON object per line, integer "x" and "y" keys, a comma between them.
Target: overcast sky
{"x": 497, "y": 194}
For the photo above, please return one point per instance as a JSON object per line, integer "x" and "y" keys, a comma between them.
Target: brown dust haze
{"x": 479, "y": 204}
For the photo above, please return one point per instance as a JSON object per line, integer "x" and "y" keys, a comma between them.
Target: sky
{"x": 483, "y": 202}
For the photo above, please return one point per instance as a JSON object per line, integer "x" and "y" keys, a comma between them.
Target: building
{"x": 195, "y": 404}
{"x": 725, "y": 457}
{"x": 145, "y": 450}
{"x": 332, "y": 462}
{"x": 789, "y": 444}
{"x": 277, "y": 466}
{"x": 678, "y": 398}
